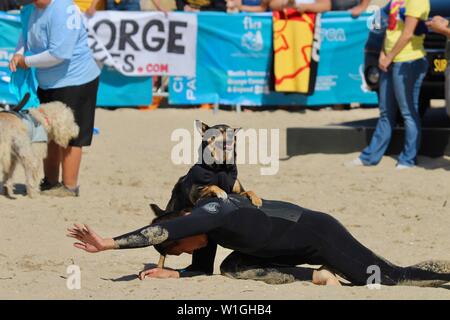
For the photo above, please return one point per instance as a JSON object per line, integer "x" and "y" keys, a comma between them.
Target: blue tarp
{"x": 234, "y": 65}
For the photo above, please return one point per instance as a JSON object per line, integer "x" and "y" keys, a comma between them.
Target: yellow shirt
{"x": 414, "y": 49}
{"x": 85, "y": 4}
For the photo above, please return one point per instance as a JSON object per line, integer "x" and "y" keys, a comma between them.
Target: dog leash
{"x": 161, "y": 261}
{"x": 22, "y": 103}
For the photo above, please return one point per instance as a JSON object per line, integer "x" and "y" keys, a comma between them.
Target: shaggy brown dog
{"x": 17, "y": 145}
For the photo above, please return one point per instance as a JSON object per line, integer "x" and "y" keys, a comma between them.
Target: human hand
{"x": 438, "y": 24}
{"x": 91, "y": 11}
{"x": 90, "y": 241}
{"x": 18, "y": 60}
{"x": 384, "y": 62}
{"x": 158, "y": 273}
{"x": 233, "y": 5}
{"x": 188, "y": 8}
{"x": 357, "y": 11}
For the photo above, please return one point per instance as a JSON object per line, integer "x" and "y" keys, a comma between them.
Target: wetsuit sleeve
{"x": 202, "y": 262}
{"x": 198, "y": 222}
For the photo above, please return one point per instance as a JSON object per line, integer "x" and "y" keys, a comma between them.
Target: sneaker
{"x": 62, "y": 191}
{"x": 354, "y": 163}
{"x": 403, "y": 167}
{"x": 46, "y": 185}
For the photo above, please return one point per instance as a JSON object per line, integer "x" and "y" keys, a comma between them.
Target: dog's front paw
{"x": 8, "y": 192}
{"x": 213, "y": 191}
{"x": 221, "y": 194}
{"x": 256, "y": 201}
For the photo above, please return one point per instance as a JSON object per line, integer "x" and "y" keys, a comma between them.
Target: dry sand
{"x": 404, "y": 216}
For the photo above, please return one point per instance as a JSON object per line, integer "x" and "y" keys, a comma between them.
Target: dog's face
{"x": 218, "y": 143}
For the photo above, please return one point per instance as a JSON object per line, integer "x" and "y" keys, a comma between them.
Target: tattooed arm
{"x": 198, "y": 222}
{"x": 92, "y": 242}
{"x": 144, "y": 237}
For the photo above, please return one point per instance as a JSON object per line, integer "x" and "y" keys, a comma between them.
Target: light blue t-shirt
{"x": 60, "y": 29}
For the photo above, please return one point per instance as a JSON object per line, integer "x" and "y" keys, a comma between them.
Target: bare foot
{"x": 325, "y": 277}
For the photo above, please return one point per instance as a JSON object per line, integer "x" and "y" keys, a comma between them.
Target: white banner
{"x": 145, "y": 43}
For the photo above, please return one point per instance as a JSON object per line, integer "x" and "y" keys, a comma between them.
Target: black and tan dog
{"x": 214, "y": 176}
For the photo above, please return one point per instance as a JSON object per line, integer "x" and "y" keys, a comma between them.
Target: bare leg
{"x": 71, "y": 166}
{"x": 52, "y": 163}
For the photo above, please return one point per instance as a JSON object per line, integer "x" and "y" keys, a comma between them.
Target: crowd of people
{"x": 91, "y": 6}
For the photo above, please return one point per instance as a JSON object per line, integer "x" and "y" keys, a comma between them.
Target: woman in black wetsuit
{"x": 265, "y": 240}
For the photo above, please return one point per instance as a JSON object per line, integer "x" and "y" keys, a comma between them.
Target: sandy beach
{"x": 403, "y": 216}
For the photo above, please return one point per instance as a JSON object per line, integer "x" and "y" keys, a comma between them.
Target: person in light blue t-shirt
{"x": 55, "y": 43}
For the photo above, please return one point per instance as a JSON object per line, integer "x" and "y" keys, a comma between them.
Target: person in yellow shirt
{"x": 404, "y": 66}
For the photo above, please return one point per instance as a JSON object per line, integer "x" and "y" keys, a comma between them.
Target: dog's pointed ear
{"x": 201, "y": 127}
{"x": 156, "y": 209}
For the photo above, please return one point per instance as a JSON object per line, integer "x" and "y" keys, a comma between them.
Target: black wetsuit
{"x": 278, "y": 234}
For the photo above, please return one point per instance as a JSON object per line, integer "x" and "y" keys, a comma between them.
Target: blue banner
{"x": 115, "y": 89}
{"x": 10, "y": 29}
{"x": 234, "y": 63}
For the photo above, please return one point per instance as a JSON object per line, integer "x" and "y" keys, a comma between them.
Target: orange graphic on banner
{"x": 293, "y": 38}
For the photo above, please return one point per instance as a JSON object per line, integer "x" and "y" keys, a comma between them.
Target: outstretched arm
{"x": 439, "y": 25}
{"x": 198, "y": 222}
{"x": 89, "y": 241}
{"x": 92, "y": 242}
{"x": 360, "y": 8}
{"x": 316, "y": 7}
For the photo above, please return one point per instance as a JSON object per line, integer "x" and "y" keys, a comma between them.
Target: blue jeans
{"x": 399, "y": 88}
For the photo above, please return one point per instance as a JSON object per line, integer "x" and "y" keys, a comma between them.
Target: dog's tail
{"x": 5, "y": 150}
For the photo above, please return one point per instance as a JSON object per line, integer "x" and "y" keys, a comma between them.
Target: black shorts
{"x": 82, "y": 100}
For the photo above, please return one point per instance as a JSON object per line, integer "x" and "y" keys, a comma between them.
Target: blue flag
{"x": 24, "y": 81}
